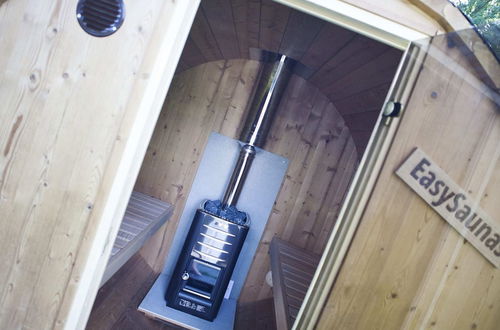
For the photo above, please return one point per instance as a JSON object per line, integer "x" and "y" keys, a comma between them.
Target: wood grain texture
{"x": 403, "y": 12}
{"x": 300, "y": 33}
{"x": 246, "y": 15}
{"x": 70, "y": 108}
{"x": 116, "y": 304}
{"x": 208, "y": 98}
{"x": 454, "y": 205}
{"x": 292, "y": 272}
{"x": 452, "y": 19}
{"x": 213, "y": 97}
{"x": 407, "y": 268}
{"x": 347, "y": 67}
{"x": 330, "y": 40}
{"x": 256, "y": 315}
{"x": 220, "y": 14}
{"x": 348, "y": 57}
{"x": 312, "y": 135}
{"x": 143, "y": 217}
{"x": 273, "y": 23}
{"x": 204, "y": 40}
{"x": 307, "y": 130}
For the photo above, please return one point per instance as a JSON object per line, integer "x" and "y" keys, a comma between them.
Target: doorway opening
{"x": 322, "y": 126}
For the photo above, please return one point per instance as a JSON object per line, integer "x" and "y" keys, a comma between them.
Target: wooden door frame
{"x": 396, "y": 35}
{"x": 360, "y": 191}
{"x": 126, "y": 168}
{"x": 359, "y": 20}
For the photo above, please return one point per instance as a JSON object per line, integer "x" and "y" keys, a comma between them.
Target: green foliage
{"x": 485, "y": 15}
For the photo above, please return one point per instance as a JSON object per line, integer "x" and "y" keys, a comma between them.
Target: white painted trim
{"x": 358, "y": 20}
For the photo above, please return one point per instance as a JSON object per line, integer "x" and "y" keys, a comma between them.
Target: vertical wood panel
{"x": 356, "y": 53}
{"x": 307, "y": 130}
{"x": 330, "y": 40}
{"x": 273, "y": 23}
{"x": 202, "y": 36}
{"x": 191, "y": 54}
{"x": 330, "y": 209}
{"x": 301, "y": 31}
{"x": 69, "y": 113}
{"x": 351, "y": 69}
{"x": 407, "y": 268}
{"x": 246, "y": 15}
{"x": 368, "y": 100}
{"x": 378, "y": 71}
{"x": 219, "y": 14}
{"x": 200, "y": 101}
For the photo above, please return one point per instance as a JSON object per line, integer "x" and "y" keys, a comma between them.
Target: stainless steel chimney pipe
{"x": 273, "y": 79}
{"x": 272, "y": 82}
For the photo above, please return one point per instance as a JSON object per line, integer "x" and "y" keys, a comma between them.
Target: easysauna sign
{"x": 449, "y": 200}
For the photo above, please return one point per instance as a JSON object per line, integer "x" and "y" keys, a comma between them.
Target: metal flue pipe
{"x": 272, "y": 82}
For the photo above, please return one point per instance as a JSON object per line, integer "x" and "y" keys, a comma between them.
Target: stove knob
{"x": 185, "y": 276}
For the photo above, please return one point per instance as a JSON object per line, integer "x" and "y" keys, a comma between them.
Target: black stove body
{"x": 201, "y": 276}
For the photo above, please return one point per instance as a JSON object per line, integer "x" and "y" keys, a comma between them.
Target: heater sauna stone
{"x": 257, "y": 199}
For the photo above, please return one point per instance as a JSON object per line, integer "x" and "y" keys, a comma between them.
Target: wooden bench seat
{"x": 143, "y": 217}
{"x": 292, "y": 269}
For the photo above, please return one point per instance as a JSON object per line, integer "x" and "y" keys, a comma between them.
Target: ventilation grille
{"x": 100, "y": 18}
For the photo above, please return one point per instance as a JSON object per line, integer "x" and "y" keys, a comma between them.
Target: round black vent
{"x": 100, "y": 18}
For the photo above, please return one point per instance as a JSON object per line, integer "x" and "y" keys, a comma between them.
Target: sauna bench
{"x": 292, "y": 271}
{"x": 143, "y": 217}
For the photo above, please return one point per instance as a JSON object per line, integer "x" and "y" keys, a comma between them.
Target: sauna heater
{"x": 218, "y": 230}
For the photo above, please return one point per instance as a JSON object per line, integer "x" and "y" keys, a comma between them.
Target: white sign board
{"x": 431, "y": 183}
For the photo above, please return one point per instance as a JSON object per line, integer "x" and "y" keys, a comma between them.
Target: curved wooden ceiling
{"x": 353, "y": 71}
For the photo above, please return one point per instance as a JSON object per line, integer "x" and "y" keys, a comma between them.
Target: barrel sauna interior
{"x": 322, "y": 126}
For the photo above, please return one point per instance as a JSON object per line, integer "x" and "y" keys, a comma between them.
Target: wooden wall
{"x": 406, "y": 267}
{"x": 308, "y": 131}
{"x": 74, "y": 123}
{"x": 353, "y": 71}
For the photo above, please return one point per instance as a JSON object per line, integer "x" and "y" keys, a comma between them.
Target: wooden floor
{"x": 116, "y": 304}
{"x": 256, "y": 316}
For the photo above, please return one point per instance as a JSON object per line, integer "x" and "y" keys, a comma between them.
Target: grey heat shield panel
{"x": 257, "y": 198}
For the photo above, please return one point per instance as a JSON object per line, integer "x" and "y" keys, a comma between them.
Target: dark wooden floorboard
{"x": 115, "y": 307}
{"x": 116, "y": 304}
{"x": 258, "y": 315}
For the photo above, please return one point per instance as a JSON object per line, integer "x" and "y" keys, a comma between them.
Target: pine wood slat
{"x": 406, "y": 267}
{"x": 220, "y": 17}
{"x": 246, "y": 15}
{"x": 202, "y": 36}
{"x": 225, "y": 29}
{"x": 143, "y": 217}
{"x": 368, "y": 100}
{"x": 358, "y": 51}
{"x": 273, "y": 23}
{"x": 77, "y": 114}
{"x": 286, "y": 305}
{"x": 301, "y": 31}
{"x": 380, "y": 69}
{"x": 329, "y": 41}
